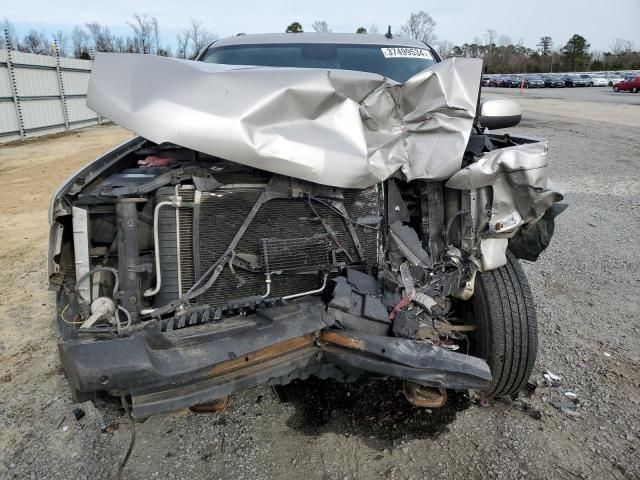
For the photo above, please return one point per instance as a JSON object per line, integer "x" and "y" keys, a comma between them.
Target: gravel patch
{"x": 585, "y": 286}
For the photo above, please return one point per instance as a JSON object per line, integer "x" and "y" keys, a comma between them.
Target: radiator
{"x": 286, "y": 238}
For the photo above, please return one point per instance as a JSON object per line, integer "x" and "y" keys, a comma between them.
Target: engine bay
{"x": 191, "y": 239}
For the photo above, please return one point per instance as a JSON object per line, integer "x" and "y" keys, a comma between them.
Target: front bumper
{"x": 165, "y": 371}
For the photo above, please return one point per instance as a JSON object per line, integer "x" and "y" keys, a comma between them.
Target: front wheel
{"x": 634, "y": 90}
{"x": 616, "y": 89}
{"x": 506, "y": 327}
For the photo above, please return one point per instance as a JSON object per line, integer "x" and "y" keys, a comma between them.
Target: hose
{"x": 132, "y": 440}
{"x": 156, "y": 244}
{"x": 310, "y": 292}
{"x": 95, "y": 270}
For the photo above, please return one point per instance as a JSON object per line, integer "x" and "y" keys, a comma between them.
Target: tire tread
{"x": 511, "y": 328}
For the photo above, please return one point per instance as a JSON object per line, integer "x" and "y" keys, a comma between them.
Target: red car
{"x": 633, "y": 85}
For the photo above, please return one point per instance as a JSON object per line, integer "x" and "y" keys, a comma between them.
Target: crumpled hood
{"x": 334, "y": 127}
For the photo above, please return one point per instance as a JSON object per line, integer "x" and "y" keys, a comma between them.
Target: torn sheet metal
{"x": 522, "y": 192}
{"x": 335, "y": 127}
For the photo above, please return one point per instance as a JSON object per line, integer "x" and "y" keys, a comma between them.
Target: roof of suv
{"x": 348, "y": 38}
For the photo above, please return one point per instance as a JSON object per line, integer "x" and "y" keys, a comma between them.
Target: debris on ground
{"x": 567, "y": 406}
{"x": 78, "y": 413}
{"x": 552, "y": 379}
{"x": 529, "y": 389}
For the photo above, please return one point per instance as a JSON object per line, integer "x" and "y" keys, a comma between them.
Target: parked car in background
{"x": 516, "y": 80}
{"x": 588, "y": 78}
{"x": 533, "y": 81}
{"x": 486, "y": 81}
{"x": 599, "y": 80}
{"x": 507, "y": 81}
{"x": 574, "y": 81}
{"x": 553, "y": 81}
{"x": 614, "y": 78}
{"x": 499, "y": 81}
{"x": 632, "y": 85}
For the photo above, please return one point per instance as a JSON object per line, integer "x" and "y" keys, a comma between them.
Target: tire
{"x": 634, "y": 90}
{"x": 616, "y": 89}
{"x": 507, "y": 329}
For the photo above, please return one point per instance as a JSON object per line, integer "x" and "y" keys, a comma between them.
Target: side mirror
{"x": 499, "y": 113}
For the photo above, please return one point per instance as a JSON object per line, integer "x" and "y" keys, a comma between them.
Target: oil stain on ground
{"x": 375, "y": 410}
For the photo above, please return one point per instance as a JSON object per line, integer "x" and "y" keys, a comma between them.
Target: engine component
{"x": 101, "y": 308}
{"x": 309, "y": 254}
{"x": 81, "y": 248}
{"x": 128, "y": 256}
{"x": 286, "y": 237}
{"x": 424, "y": 397}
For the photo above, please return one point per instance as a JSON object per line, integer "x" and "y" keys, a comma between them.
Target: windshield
{"x": 398, "y": 63}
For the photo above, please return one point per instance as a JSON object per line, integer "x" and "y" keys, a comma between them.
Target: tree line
{"x": 83, "y": 41}
{"x": 499, "y": 53}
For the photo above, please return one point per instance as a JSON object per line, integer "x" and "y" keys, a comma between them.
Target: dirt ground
{"x": 585, "y": 286}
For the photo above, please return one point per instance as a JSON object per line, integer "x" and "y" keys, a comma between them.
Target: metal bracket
{"x": 352, "y": 231}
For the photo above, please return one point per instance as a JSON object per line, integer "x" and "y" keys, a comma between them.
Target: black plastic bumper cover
{"x": 165, "y": 371}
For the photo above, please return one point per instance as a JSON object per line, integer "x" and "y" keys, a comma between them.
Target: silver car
{"x": 294, "y": 205}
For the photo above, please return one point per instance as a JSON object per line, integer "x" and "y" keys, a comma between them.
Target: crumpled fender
{"x": 522, "y": 191}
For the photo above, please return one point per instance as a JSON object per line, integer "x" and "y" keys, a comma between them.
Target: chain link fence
{"x": 41, "y": 94}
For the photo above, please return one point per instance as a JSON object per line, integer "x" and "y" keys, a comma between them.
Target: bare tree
{"x": 61, "y": 40}
{"x": 504, "y": 40}
{"x": 144, "y": 28}
{"x": 320, "y": 26}
{"x": 620, "y": 46}
{"x": 183, "y": 45}
{"x": 35, "y": 42}
{"x": 490, "y": 35}
{"x": 373, "y": 29}
{"x": 156, "y": 35}
{"x": 80, "y": 43}
{"x": 199, "y": 36}
{"x": 444, "y": 48}
{"x": 120, "y": 45}
{"x": 420, "y": 26}
{"x": 102, "y": 38}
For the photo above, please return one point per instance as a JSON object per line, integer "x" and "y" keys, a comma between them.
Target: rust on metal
{"x": 342, "y": 339}
{"x": 262, "y": 355}
{"x": 215, "y": 406}
{"x": 424, "y": 397}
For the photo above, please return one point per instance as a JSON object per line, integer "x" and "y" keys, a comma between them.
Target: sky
{"x": 458, "y": 21}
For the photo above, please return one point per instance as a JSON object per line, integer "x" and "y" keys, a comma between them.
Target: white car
{"x": 599, "y": 81}
{"x": 614, "y": 78}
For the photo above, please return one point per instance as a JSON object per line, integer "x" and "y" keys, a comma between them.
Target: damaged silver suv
{"x": 297, "y": 205}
